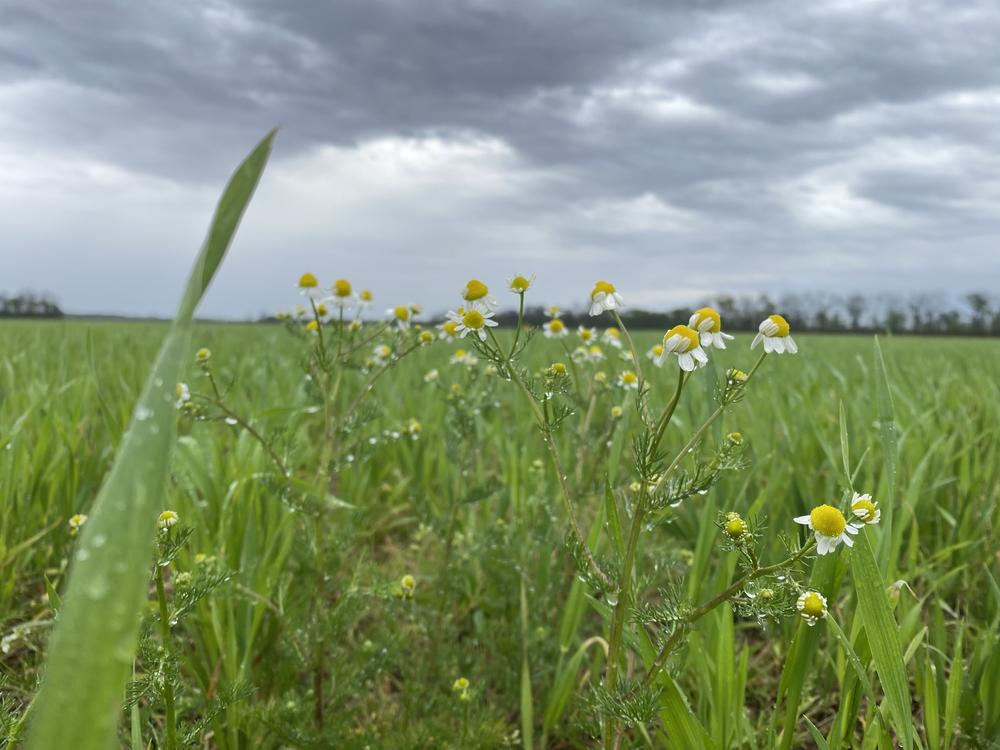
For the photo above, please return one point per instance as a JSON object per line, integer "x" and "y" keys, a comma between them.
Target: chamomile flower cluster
{"x": 831, "y": 527}
{"x": 475, "y": 315}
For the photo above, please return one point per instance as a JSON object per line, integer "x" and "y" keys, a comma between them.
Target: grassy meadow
{"x": 447, "y": 480}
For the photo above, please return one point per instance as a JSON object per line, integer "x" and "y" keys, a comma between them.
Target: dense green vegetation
{"x": 467, "y": 504}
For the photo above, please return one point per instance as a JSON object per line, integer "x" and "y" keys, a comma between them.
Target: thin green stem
{"x": 711, "y": 604}
{"x": 641, "y": 392}
{"x": 517, "y": 331}
{"x": 625, "y": 583}
{"x": 168, "y": 685}
{"x": 567, "y": 497}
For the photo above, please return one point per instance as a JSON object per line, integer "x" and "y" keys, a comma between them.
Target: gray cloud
{"x": 679, "y": 148}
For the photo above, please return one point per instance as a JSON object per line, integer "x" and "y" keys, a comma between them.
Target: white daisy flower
{"x": 865, "y": 509}
{"x": 520, "y": 284}
{"x": 830, "y": 528}
{"x": 595, "y": 354}
{"x": 552, "y": 311}
{"x": 431, "y": 376}
{"x": 628, "y": 380}
{"x": 774, "y": 332}
{"x": 684, "y": 342}
{"x": 613, "y": 337}
{"x": 463, "y": 357}
{"x": 343, "y": 295}
{"x": 166, "y": 520}
{"x": 812, "y": 607}
{"x": 655, "y": 354}
{"x": 708, "y": 324}
{"x": 554, "y": 329}
{"x": 381, "y": 354}
{"x": 603, "y": 297}
{"x": 448, "y": 329}
{"x": 476, "y": 291}
{"x": 586, "y": 335}
{"x": 183, "y": 394}
{"x": 401, "y": 316}
{"x": 475, "y": 320}
{"x": 365, "y": 298}
{"x": 309, "y": 286}
{"x": 580, "y": 354}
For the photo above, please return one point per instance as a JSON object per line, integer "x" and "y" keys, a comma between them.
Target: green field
{"x": 469, "y": 505}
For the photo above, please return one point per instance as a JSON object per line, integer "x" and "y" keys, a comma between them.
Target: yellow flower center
{"x": 459, "y": 354}
{"x": 312, "y": 325}
{"x": 736, "y": 528}
{"x": 867, "y": 506}
{"x": 449, "y": 327}
{"x": 474, "y": 290}
{"x": 553, "y": 311}
{"x": 402, "y": 312}
{"x": 558, "y": 370}
{"x": 586, "y": 334}
{"x": 707, "y": 313}
{"x": 629, "y": 377}
{"x": 782, "y": 324}
{"x": 342, "y": 288}
{"x": 382, "y": 351}
{"x": 308, "y": 281}
{"x": 827, "y": 520}
{"x": 657, "y": 350}
{"x": 366, "y": 295}
{"x": 686, "y": 332}
{"x": 321, "y": 309}
{"x": 602, "y": 286}
{"x": 473, "y": 319}
{"x": 202, "y": 355}
{"x": 613, "y": 333}
{"x": 520, "y": 284}
{"x": 812, "y": 605}
{"x": 557, "y": 326}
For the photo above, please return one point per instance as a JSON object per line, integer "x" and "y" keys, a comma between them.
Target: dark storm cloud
{"x": 735, "y": 132}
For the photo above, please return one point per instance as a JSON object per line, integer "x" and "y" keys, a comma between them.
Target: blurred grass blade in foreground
{"x": 93, "y": 645}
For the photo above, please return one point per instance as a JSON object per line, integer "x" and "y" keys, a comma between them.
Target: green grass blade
{"x": 845, "y": 453}
{"x": 889, "y": 440}
{"x": 92, "y": 647}
{"x": 953, "y": 693}
{"x": 880, "y": 627}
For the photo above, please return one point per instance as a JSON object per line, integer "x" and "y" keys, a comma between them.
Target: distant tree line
{"x": 28, "y": 304}
{"x": 974, "y": 314}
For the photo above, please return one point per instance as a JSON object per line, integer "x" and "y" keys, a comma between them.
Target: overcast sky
{"x": 677, "y": 149}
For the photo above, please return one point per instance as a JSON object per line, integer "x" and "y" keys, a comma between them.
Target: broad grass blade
{"x": 880, "y": 627}
{"x": 92, "y": 647}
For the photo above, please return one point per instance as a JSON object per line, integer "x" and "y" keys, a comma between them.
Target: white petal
{"x": 768, "y": 344}
{"x": 847, "y": 540}
{"x": 804, "y": 520}
{"x": 756, "y": 340}
{"x": 686, "y": 362}
{"x": 779, "y": 345}
{"x": 700, "y": 355}
{"x": 706, "y": 339}
{"x": 791, "y": 345}
{"x": 693, "y": 320}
